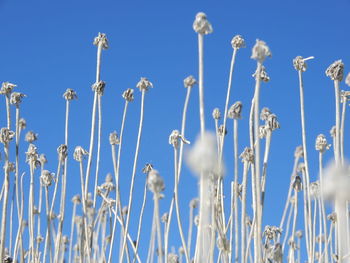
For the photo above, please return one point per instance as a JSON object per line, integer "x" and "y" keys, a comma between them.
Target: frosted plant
{"x": 190, "y": 81}
{"x": 336, "y": 71}
{"x": 321, "y": 143}
{"x": 70, "y": 94}
{"x": 260, "y": 51}
{"x": 201, "y": 25}
{"x": 31, "y": 137}
{"x": 128, "y": 95}
{"x": 6, "y": 88}
{"x": 235, "y": 110}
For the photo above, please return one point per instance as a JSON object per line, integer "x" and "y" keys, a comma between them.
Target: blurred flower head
{"x": 201, "y": 25}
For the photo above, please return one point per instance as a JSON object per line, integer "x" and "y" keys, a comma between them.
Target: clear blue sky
{"x": 46, "y": 47}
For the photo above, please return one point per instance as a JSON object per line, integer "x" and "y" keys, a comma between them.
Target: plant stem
{"x": 159, "y": 233}
{"x": 243, "y": 209}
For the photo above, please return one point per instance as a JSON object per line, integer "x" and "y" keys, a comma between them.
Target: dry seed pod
{"x": 190, "y": 81}
{"x": 201, "y": 25}
{"x": 336, "y": 70}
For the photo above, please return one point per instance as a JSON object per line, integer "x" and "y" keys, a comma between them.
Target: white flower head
{"x": 299, "y": 152}
{"x": 237, "y": 42}
{"x": 6, "y": 88}
{"x": 337, "y": 182}
{"x": 144, "y": 84}
{"x": 260, "y": 51}
{"x": 190, "y": 81}
{"x": 263, "y": 74}
{"x": 16, "y": 98}
{"x": 70, "y": 94}
{"x": 235, "y": 110}
{"x": 299, "y": 64}
{"x": 155, "y": 182}
{"x": 128, "y": 95}
{"x": 336, "y": 70}
{"x": 113, "y": 138}
{"x": 321, "y": 143}
{"x": 202, "y": 158}
{"x": 175, "y": 137}
{"x": 79, "y": 153}
{"x": 201, "y": 25}
{"x": 216, "y": 114}
{"x": 101, "y": 39}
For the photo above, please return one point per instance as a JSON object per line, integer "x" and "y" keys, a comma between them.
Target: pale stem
{"x": 287, "y": 227}
{"x": 235, "y": 197}
{"x": 133, "y": 175}
{"x": 342, "y": 128}
{"x": 151, "y": 243}
{"x": 8, "y": 111}
{"x": 337, "y": 121}
{"x": 71, "y": 233}
{"x": 176, "y": 195}
{"x": 190, "y": 227}
{"x": 233, "y": 208}
{"x": 306, "y": 215}
{"x": 31, "y": 212}
{"x": 99, "y": 131}
{"x": 200, "y": 84}
{"x": 243, "y": 209}
{"x": 158, "y": 228}
{"x": 266, "y": 157}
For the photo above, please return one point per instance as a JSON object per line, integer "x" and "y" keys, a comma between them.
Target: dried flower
{"x": 31, "y": 137}
{"x": 6, "y": 88}
{"x": 39, "y": 239}
{"x": 108, "y": 184}
{"x": 62, "y": 151}
{"x": 194, "y": 203}
{"x": 260, "y": 51}
{"x": 262, "y": 131}
{"x": 70, "y": 94}
{"x": 299, "y": 153}
{"x": 272, "y": 123}
{"x": 79, "y": 153}
{"x": 221, "y": 131}
{"x": 299, "y": 64}
{"x": 344, "y": 96}
{"x": 76, "y": 199}
{"x": 265, "y": 113}
{"x": 46, "y": 178}
{"x": 216, "y": 114}
{"x": 22, "y": 124}
{"x": 174, "y": 138}
{"x": 202, "y": 158}
{"x": 299, "y": 234}
{"x": 128, "y": 95}
{"x": 144, "y": 84}
{"x": 9, "y": 167}
{"x": 189, "y": 82}
{"x": 113, "y": 138}
{"x": 247, "y": 155}
{"x": 275, "y": 253}
{"x": 271, "y": 232}
{"x": 297, "y": 184}
{"x": 336, "y": 70}
{"x": 332, "y": 217}
{"x": 333, "y": 131}
{"x": 321, "y": 143}
{"x": 201, "y": 25}
{"x": 6, "y": 135}
{"x": 155, "y": 182}
{"x": 173, "y": 258}
{"x": 101, "y": 39}
{"x": 16, "y": 98}
{"x": 314, "y": 190}
{"x": 99, "y": 87}
{"x": 237, "y": 42}
{"x": 263, "y": 74}
{"x": 42, "y": 159}
{"x": 148, "y": 167}
{"x": 165, "y": 218}
{"x": 235, "y": 110}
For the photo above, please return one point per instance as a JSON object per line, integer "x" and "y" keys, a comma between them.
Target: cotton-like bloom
{"x": 201, "y": 25}
{"x": 155, "y": 182}
{"x": 337, "y": 182}
{"x": 336, "y": 70}
{"x": 260, "y": 51}
{"x": 202, "y": 157}
{"x": 190, "y": 81}
{"x": 16, "y": 98}
{"x": 235, "y": 110}
{"x": 101, "y": 39}
{"x": 216, "y": 114}
{"x": 144, "y": 84}
{"x": 128, "y": 95}
{"x": 237, "y": 42}
{"x": 70, "y": 94}
{"x": 321, "y": 143}
{"x": 79, "y": 153}
{"x": 6, "y": 88}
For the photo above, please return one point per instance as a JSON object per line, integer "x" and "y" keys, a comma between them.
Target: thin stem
{"x": 342, "y": 128}
{"x": 243, "y": 210}
{"x": 235, "y": 197}
{"x": 99, "y": 131}
{"x": 133, "y": 175}
{"x": 200, "y": 83}
{"x": 159, "y": 233}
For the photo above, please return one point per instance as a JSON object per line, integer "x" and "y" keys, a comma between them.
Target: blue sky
{"x": 47, "y": 47}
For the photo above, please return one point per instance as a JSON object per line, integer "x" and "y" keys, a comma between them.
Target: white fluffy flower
{"x": 202, "y": 158}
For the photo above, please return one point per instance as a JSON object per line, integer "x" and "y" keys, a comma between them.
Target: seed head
{"x": 344, "y": 96}
{"x": 113, "y": 138}
{"x": 128, "y": 95}
{"x": 260, "y": 51}
{"x": 314, "y": 190}
{"x": 173, "y": 258}
{"x": 201, "y": 25}
{"x": 221, "y": 131}
{"x": 265, "y": 113}
{"x": 190, "y": 81}
{"x": 272, "y": 123}
{"x": 99, "y": 87}
{"x": 46, "y": 178}
{"x": 237, "y": 42}
{"x": 6, "y": 88}
{"x": 299, "y": 64}
{"x": 263, "y": 74}
{"x": 299, "y": 234}
{"x": 101, "y": 39}
{"x": 31, "y": 137}
{"x": 144, "y": 84}
{"x": 333, "y": 132}
{"x": 16, "y": 98}
{"x": 70, "y": 94}
{"x": 347, "y": 80}
{"x": 262, "y": 131}
{"x": 32, "y": 154}
{"x": 62, "y": 151}
{"x": 247, "y": 155}
{"x": 297, "y": 184}
{"x": 155, "y": 182}
{"x": 174, "y": 138}
{"x": 336, "y": 70}
{"x": 22, "y": 124}
{"x": 6, "y": 135}
{"x": 235, "y": 110}
{"x": 76, "y": 199}
{"x": 216, "y": 114}
{"x": 148, "y": 167}
{"x": 165, "y": 218}
{"x": 321, "y": 143}
{"x": 79, "y": 153}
